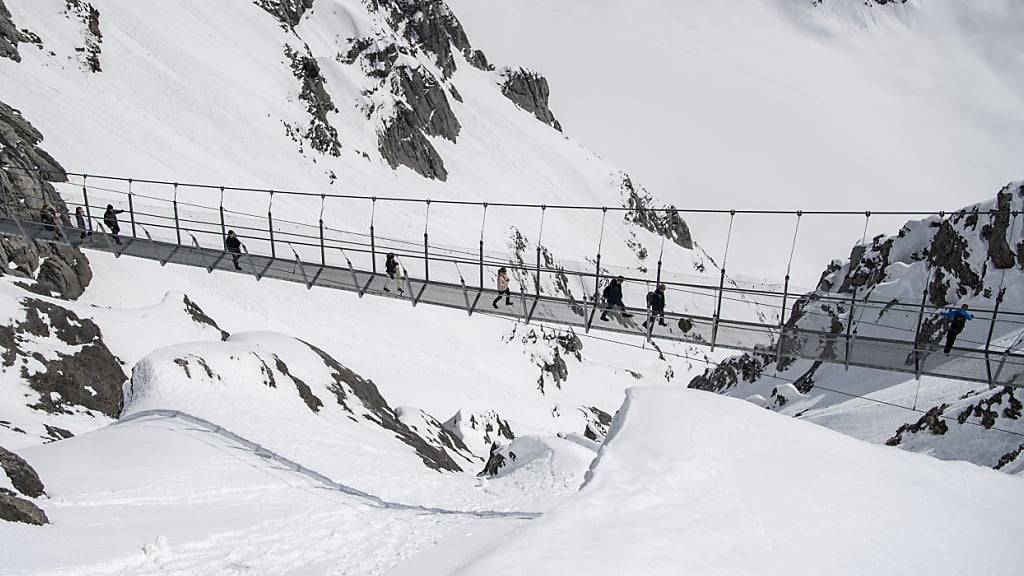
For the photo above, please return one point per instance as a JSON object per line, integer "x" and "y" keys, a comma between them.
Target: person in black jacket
{"x": 656, "y": 304}
{"x": 612, "y": 296}
{"x": 110, "y": 221}
{"x": 82, "y": 223}
{"x": 48, "y": 217}
{"x": 233, "y": 245}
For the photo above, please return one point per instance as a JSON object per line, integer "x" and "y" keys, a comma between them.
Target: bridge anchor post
{"x": 991, "y": 329}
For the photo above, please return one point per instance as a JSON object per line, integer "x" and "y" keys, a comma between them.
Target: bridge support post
{"x": 718, "y": 310}
{"x": 270, "y": 225}
{"x": 597, "y": 293}
{"x": 177, "y": 224}
{"x": 483, "y": 224}
{"x": 721, "y": 282}
{"x": 540, "y": 236}
{"x": 849, "y": 328}
{"x": 85, "y": 198}
{"x": 991, "y": 330}
{"x": 657, "y": 282}
{"x": 782, "y": 321}
{"x": 220, "y": 208}
{"x": 597, "y": 271}
{"x": 131, "y": 209}
{"x": 373, "y": 238}
{"x": 917, "y": 332}
{"x": 426, "y": 246}
{"x": 323, "y": 250}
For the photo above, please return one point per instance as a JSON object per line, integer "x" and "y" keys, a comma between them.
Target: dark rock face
{"x": 598, "y": 423}
{"x": 10, "y": 37}
{"x": 999, "y": 251}
{"x": 426, "y": 97}
{"x": 381, "y": 413}
{"x": 948, "y": 252}
{"x": 65, "y": 271}
{"x": 23, "y": 476}
{"x": 90, "y": 18}
{"x": 732, "y": 371}
{"x": 25, "y": 185}
{"x": 495, "y": 462}
{"x": 402, "y": 143}
{"x": 322, "y": 136}
{"x": 529, "y": 90}
{"x": 288, "y": 12}
{"x": 200, "y": 317}
{"x": 90, "y": 376}
{"x": 305, "y": 392}
{"x": 421, "y": 109}
{"x": 15, "y": 509}
{"x": 430, "y": 25}
{"x": 932, "y": 422}
{"x": 435, "y": 433}
{"x": 665, "y": 221}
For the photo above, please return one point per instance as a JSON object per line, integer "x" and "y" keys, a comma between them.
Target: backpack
{"x": 650, "y": 299}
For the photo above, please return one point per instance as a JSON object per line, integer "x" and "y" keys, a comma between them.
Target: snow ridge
{"x": 297, "y": 468}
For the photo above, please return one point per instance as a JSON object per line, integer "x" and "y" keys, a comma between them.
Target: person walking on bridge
{"x": 395, "y": 273}
{"x": 503, "y": 289}
{"x": 656, "y": 304}
{"x": 612, "y": 296}
{"x": 234, "y": 246}
{"x": 110, "y": 221}
{"x": 957, "y": 318}
{"x": 82, "y": 223}
{"x": 48, "y": 217}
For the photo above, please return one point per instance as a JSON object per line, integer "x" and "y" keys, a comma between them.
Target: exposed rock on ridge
{"x": 24, "y": 188}
{"x": 93, "y": 37}
{"x": 529, "y": 90}
{"x": 288, "y": 12}
{"x": 322, "y": 136}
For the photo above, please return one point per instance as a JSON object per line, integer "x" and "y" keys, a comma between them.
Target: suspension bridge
{"x": 167, "y": 232}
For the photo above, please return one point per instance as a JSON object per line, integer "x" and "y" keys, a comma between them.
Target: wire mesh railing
{"x": 715, "y": 314}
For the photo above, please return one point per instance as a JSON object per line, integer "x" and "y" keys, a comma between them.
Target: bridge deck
{"x": 974, "y": 365}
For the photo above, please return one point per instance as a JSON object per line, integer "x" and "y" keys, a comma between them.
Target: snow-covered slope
{"x": 692, "y": 483}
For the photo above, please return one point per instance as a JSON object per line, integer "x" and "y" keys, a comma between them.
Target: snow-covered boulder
{"x": 260, "y": 384}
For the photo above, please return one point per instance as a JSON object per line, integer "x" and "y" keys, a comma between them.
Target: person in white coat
{"x": 395, "y": 273}
{"x": 503, "y": 289}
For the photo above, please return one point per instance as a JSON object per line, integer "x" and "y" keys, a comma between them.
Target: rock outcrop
{"x": 320, "y": 134}
{"x": 426, "y": 97}
{"x": 288, "y": 12}
{"x": 89, "y": 16}
{"x": 431, "y": 26}
{"x": 16, "y": 509}
{"x": 346, "y": 381}
{"x": 78, "y": 369}
{"x": 402, "y": 143}
{"x": 22, "y": 476}
{"x": 529, "y": 90}
{"x": 664, "y": 221}
{"x": 25, "y": 186}
{"x": 10, "y": 36}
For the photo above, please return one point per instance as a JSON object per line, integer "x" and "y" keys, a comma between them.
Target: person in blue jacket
{"x": 957, "y": 318}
